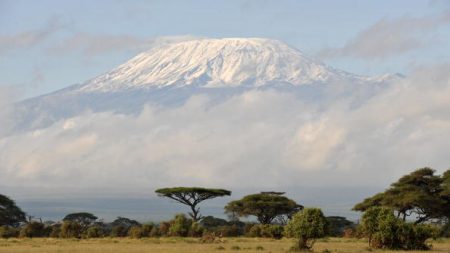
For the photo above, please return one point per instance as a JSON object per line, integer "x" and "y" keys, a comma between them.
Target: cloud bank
{"x": 262, "y": 139}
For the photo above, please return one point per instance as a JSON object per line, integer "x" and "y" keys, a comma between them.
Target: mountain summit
{"x": 226, "y": 62}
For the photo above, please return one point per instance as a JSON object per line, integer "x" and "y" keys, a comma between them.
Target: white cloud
{"x": 28, "y": 39}
{"x": 258, "y": 139}
{"x": 389, "y": 37}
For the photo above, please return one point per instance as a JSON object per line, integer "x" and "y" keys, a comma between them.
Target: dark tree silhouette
{"x": 266, "y": 206}
{"x": 10, "y": 213}
{"x": 192, "y": 196}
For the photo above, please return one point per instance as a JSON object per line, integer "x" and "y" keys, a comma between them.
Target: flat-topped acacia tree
{"x": 192, "y": 196}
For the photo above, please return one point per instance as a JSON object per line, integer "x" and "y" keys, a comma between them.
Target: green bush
{"x": 386, "y": 231}
{"x": 306, "y": 225}
{"x": 8, "y": 232}
{"x": 196, "y": 230}
{"x": 266, "y": 230}
{"x": 180, "y": 225}
{"x": 119, "y": 231}
{"x": 33, "y": 229}
{"x": 136, "y": 232}
{"x": 147, "y": 229}
{"x": 94, "y": 232}
{"x": 55, "y": 231}
{"x": 71, "y": 229}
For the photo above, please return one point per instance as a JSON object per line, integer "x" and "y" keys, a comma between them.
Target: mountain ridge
{"x": 227, "y": 62}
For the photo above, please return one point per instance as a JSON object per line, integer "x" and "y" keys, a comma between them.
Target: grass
{"x": 188, "y": 245}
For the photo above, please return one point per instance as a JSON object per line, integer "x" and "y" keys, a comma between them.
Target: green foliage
{"x": 55, "y": 231}
{"x": 164, "y": 228}
{"x": 136, "y": 232}
{"x": 180, "y": 225}
{"x": 95, "y": 232}
{"x": 147, "y": 229}
{"x": 337, "y": 225}
{"x": 83, "y": 219}
{"x": 211, "y": 222}
{"x": 307, "y": 226}
{"x": 34, "y": 229}
{"x": 8, "y": 232}
{"x": 10, "y": 213}
{"x": 71, "y": 229}
{"x": 420, "y": 193}
{"x": 266, "y": 230}
{"x": 196, "y": 230}
{"x": 192, "y": 196}
{"x": 119, "y": 231}
{"x": 265, "y": 206}
{"x": 386, "y": 231}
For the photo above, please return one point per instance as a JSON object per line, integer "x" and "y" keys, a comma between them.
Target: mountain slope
{"x": 216, "y": 63}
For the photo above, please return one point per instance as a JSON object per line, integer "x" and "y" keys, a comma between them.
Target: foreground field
{"x": 181, "y": 245}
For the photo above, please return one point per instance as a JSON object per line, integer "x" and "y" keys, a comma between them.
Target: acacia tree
{"x": 10, "y": 213}
{"x": 266, "y": 206}
{"x": 192, "y": 196}
{"x": 83, "y": 219}
{"x": 421, "y": 193}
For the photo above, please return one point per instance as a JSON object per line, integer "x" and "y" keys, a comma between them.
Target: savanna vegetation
{"x": 412, "y": 214}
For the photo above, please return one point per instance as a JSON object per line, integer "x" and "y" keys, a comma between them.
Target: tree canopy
{"x": 84, "y": 219}
{"x": 266, "y": 206}
{"x": 420, "y": 193}
{"x": 192, "y": 196}
{"x": 10, "y": 213}
{"x": 307, "y": 225}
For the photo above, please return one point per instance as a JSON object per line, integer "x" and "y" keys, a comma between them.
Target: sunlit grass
{"x": 187, "y": 245}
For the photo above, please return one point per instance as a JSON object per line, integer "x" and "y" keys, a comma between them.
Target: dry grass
{"x": 180, "y": 245}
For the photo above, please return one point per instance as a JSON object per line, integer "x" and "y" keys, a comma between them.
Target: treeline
{"x": 405, "y": 216}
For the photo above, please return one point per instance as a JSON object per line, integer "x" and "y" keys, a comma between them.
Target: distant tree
{"x": 266, "y": 206}
{"x": 122, "y": 221}
{"x": 337, "y": 225}
{"x": 83, "y": 219}
{"x": 34, "y": 229}
{"x": 192, "y": 196}
{"x": 307, "y": 226}
{"x": 10, "y": 213}
{"x": 420, "y": 193}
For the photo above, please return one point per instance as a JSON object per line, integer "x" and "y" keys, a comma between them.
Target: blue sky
{"x": 48, "y": 45}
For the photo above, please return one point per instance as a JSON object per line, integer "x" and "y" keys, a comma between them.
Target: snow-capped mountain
{"x": 228, "y": 62}
{"x": 170, "y": 74}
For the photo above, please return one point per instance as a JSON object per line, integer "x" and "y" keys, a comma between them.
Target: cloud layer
{"x": 267, "y": 139}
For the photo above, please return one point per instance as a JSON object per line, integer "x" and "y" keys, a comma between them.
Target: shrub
{"x": 164, "y": 228}
{"x": 306, "y": 225}
{"x": 55, "y": 231}
{"x": 386, "y": 231}
{"x": 180, "y": 225}
{"x": 228, "y": 231}
{"x": 8, "y": 232}
{"x": 147, "y": 229}
{"x": 154, "y": 232}
{"x": 135, "y": 232}
{"x": 196, "y": 230}
{"x": 119, "y": 231}
{"x": 254, "y": 231}
{"x": 71, "y": 229}
{"x": 33, "y": 229}
{"x": 94, "y": 232}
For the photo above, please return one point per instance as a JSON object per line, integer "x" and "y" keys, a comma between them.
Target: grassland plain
{"x": 188, "y": 245}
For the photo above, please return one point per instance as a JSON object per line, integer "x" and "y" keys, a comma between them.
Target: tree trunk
{"x": 302, "y": 243}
